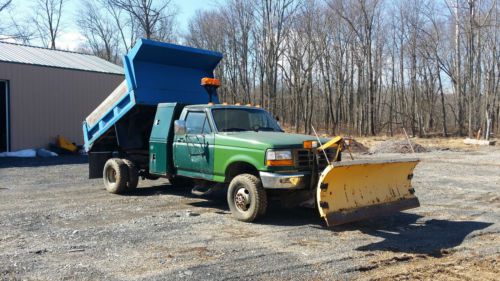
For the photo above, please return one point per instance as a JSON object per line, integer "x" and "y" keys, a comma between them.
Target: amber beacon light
{"x": 210, "y": 85}
{"x": 214, "y": 82}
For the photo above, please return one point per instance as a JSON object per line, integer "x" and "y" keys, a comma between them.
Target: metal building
{"x": 45, "y": 93}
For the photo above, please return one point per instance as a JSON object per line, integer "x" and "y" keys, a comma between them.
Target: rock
{"x": 76, "y": 250}
{"x": 192, "y": 214}
{"x": 39, "y": 252}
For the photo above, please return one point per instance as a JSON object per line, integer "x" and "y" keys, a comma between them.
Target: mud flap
{"x": 97, "y": 160}
{"x": 356, "y": 190}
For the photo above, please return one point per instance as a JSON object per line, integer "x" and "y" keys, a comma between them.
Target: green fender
{"x": 225, "y": 156}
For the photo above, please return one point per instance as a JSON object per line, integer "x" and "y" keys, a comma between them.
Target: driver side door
{"x": 193, "y": 152}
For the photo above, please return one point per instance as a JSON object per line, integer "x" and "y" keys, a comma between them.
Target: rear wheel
{"x": 133, "y": 175}
{"x": 246, "y": 197}
{"x": 115, "y": 175}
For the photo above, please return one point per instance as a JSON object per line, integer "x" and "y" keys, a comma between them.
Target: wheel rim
{"x": 111, "y": 175}
{"x": 242, "y": 199}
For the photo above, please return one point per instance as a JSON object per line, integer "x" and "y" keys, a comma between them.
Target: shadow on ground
{"x": 165, "y": 189}
{"x": 405, "y": 232}
{"x": 14, "y": 162}
{"x": 276, "y": 215}
{"x": 401, "y": 232}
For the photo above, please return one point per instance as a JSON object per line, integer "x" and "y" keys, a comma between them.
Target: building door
{"x": 4, "y": 116}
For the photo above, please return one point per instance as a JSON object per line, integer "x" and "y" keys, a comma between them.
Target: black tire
{"x": 263, "y": 205}
{"x": 115, "y": 175}
{"x": 133, "y": 175}
{"x": 246, "y": 197}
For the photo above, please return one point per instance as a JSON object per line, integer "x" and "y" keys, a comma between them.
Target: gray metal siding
{"x": 55, "y": 58}
{"x": 46, "y": 102}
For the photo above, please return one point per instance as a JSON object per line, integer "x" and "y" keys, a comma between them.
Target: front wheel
{"x": 247, "y": 198}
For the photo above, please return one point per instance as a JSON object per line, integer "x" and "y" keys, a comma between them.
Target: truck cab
{"x": 209, "y": 139}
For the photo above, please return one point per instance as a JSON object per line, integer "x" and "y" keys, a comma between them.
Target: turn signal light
{"x": 288, "y": 162}
{"x": 310, "y": 144}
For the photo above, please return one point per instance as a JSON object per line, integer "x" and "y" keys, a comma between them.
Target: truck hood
{"x": 263, "y": 140}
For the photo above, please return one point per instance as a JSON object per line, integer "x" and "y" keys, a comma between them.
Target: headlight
{"x": 279, "y": 158}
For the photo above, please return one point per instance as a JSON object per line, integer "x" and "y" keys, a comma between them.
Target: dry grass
{"x": 430, "y": 143}
{"x": 434, "y": 143}
{"x": 437, "y": 143}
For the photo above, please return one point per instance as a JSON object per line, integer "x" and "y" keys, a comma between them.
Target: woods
{"x": 360, "y": 67}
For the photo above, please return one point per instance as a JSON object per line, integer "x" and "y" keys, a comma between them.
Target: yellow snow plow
{"x": 354, "y": 190}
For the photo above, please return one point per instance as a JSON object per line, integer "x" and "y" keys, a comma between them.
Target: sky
{"x": 70, "y": 38}
{"x": 188, "y": 8}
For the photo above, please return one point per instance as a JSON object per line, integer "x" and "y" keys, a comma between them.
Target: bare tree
{"x": 99, "y": 30}
{"x": 124, "y": 23}
{"x": 153, "y": 17}
{"x": 363, "y": 66}
{"x": 11, "y": 27}
{"x": 360, "y": 16}
{"x": 4, "y": 4}
{"x": 47, "y": 20}
{"x": 237, "y": 27}
{"x": 275, "y": 18}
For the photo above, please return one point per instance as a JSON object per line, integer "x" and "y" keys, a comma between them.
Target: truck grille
{"x": 304, "y": 158}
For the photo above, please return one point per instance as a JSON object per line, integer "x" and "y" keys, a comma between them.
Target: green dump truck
{"x": 162, "y": 122}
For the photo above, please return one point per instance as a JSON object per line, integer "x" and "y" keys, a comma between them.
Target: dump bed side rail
{"x": 155, "y": 73}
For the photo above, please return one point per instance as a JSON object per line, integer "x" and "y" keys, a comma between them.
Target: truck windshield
{"x": 244, "y": 119}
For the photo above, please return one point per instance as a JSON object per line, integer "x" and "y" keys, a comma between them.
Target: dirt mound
{"x": 397, "y": 146}
{"x": 357, "y": 147}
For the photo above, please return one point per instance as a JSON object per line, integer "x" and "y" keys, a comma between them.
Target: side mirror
{"x": 180, "y": 127}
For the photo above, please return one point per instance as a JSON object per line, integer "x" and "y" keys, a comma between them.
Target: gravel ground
{"x": 56, "y": 224}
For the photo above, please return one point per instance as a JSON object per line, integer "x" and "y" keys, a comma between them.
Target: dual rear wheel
{"x": 120, "y": 176}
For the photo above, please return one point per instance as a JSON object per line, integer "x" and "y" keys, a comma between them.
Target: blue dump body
{"x": 155, "y": 73}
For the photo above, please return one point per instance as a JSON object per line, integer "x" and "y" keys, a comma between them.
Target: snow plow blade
{"x": 357, "y": 190}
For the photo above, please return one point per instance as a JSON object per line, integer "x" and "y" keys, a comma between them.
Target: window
{"x": 197, "y": 123}
{"x": 244, "y": 119}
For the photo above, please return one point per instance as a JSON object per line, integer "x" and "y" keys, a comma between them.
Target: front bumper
{"x": 284, "y": 181}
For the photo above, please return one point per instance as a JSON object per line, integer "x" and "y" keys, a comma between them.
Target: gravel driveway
{"x": 56, "y": 224}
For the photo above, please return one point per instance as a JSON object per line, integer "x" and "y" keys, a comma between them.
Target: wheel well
{"x": 238, "y": 168}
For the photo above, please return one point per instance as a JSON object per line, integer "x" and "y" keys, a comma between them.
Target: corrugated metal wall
{"x": 46, "y": 102}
